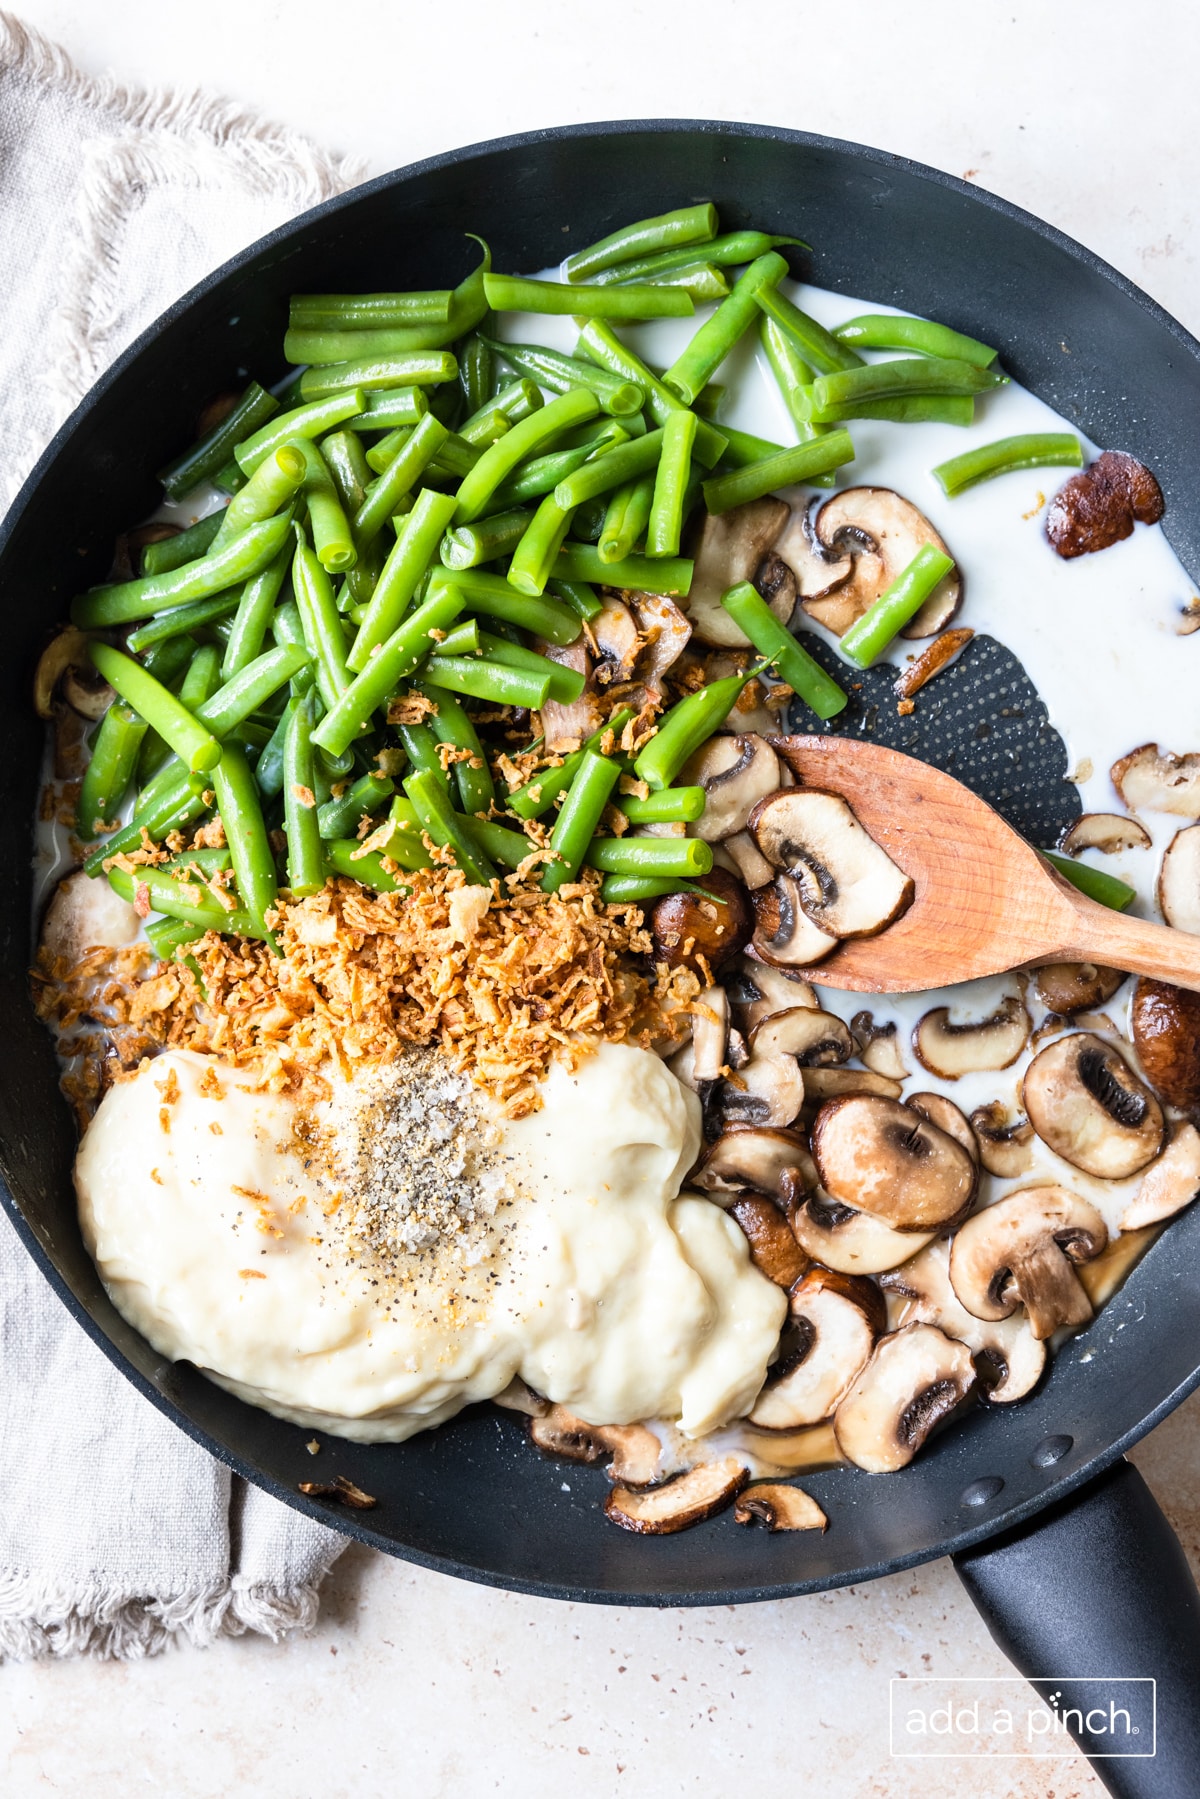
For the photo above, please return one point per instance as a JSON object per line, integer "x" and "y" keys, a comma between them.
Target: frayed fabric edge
{"x": 41, "y": 1622}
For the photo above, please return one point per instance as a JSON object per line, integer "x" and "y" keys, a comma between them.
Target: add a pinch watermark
{"x": 963, "y": 1716}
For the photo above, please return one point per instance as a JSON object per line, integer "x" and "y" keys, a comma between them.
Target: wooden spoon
{"x": 985, "y": 900}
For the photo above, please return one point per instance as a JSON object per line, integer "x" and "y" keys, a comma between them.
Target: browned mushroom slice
{"x": 1159, "y": 781}
{"x": 86, "y": 914}
{"x": 821, "y": 1084}
{"x": 883, "y": 532}
{"x": 1179, "y": 881}
{"x": 952, "y": 1050}
{"x": 1008, "y": 1344}
{"x": 1165, "y": 1023}
{"x": 817, "y": 571}
{"x": 710, "y": 1030}
{"x": 777, "y": 585}
{"x": 756, "y": 990}
{"x": 847, "y": 885}
{"x": 779, "y": 1507}
{"x": 1087, "y": 1105}
{"x": 687, "y": 925}
{"x": 768, "y": 1090}
{"x": 1097, "y": 507}
{"x": 814, "y": 1037}
{"x": 882, "y": 1157}
{"x": 730, "y": 549}
{"x": 1006, "y": 1150}
{"x": 879, "y": 1046}
{"x": 918, "y": 672}
{"x": 747, "y": 859}
{"x": 617, "y": 640}
{"x": 1110, "y": 832}
{"x": 735, "y": 772}
{"x": 86, "y": 691}
{"x": 834, "y": 1321}
{"x": 914, "y": 1379}
{"x": 1070, "y": 987}
{"x": 565, "y": 727}
{"x": 688, "y": 1499}
{"x": 773, "y": 1249}
{"x": 517, "y": 1397}
{"x": 636, "y": 1452}
{"x": 560, "y": 1432}
{"x": 665, "y": 633}
{"x": 1169, "y": 1184}
{"x": 65, "y": 651}
{"x": 850, "y": 1242}
{"x": 783, "y": 932}
{"x": 947, "y": 1116}
{"x": 1022, "y": 1251}
{"x": 769, "y": 1160}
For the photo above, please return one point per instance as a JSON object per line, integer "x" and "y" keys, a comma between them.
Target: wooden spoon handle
{"x": 1116, "y": 941}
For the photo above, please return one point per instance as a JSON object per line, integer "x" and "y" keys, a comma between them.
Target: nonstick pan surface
{"x": 473, "y": 1499}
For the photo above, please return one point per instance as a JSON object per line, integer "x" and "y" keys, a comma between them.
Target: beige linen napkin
{"x": 118, "y": 1534}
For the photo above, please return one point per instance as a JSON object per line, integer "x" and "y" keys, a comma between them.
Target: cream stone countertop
{"x": 413, "y": 1683}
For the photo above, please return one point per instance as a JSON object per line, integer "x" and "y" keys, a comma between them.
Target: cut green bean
{"x": 437, "y": 818}
{"x": 538, "y": 795}
{"x": 205, "y": 458}
{"x": 581, "y": 598}
{"x": 600, "y": 475}
{"x": 107, "y": 776}
{"x": 565, "y": 684}
{"x": 559, "y": 373}
{"x": 601, "y": 345}
{"x": 464, "y": 639}
{"x": 666, "y": 521}
{"x": 537, "y": 553}
{"x": 1037, "y": 449}
{"x": 501, "y": 845}
{"x": 469, "y": 545}
{"x": 272, "y": 486}
{"x": 671, "y": 575}
{"x": 699, "y": 280}
{"x": 492, "y": 595}
{"x": 578, "y": 817}
{"x": 699, "y": 362}
{"x": 870, "y": 635}
{"x": 192, "y": 742}
{"x": 359, "y": 312}
{"x": 743, "y": 448}
{"x": 587, "y": 521}
{"x": 186, "y": 901}
{"x": 310, "y": 421}
{"x": 342, "y": 817}
{"x": 419, "y": 368}
{"x": 399, "y": 478}
{"x": 394, "y": 661}
{"x": 305, "y": 858}
{"x": 727, "y": 251}
{"x": 384, "y": 408}
{"x": 495, "y": 682}
{"x": 166, "y": 935}
{"x": 683, "y": 228}
{"x": 182, "y": 618}
{"x": 346, "y": 856}
{"x": 172, "y": 552}
{"x": 229, "y": 479}
{"x": 325, "y": 349}
{"x": 421, "y": 747}
{"x": 255, "y": 610}
{"x": 124, "y": 601}
{"x": 202, "y": 678}
{"x": 348, "y": 467}
{"x": 631, "y": 890}
{"x": 332, "y": 537}
{"x": 669, "y": 806}
{"x": 686, "y": 856}
{"x": 176, "y": 808}
{"x": 451, "y": 723}
{"x": 893, "y": 331}
{"x": 804, "y": 462}
{"x": 1098, "y": 885}
{"x": 540, "y": 475}
{"x": 625, "y": 520}
{"x": 321, "y": 622}
{"x": 793, "y": 377}
{"x": 815, "y": 344}
{"x": 912, "y": 409}
{"x": 409, "y": 557}
{"x": 898, "y": 378}
{"x": 476, "y": 371}
{"x": 689, "y": 723}
{"x": 530, "y": 434}
{"x": 807, "y": 679}
{"x": 246, "y": 834}
{"x": 514, "y": 401}
{"x": 516, "y": 293}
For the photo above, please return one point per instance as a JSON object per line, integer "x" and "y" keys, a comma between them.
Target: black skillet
{"x": 1057, "y": 1539}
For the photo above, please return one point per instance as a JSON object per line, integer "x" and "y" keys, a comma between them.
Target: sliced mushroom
{"x": 559, "y": 1432}
{"x": 748, "y": 860}
{"x": 769, "y": 1090}
{"x": 65, "y": 651}
{"x": 783, "y": 932}
{"x": 914, "y": 1379}
{"x": 1159, "y": 781}
{"x": 688, "y": 1499}
{"x": 946, "y": 1115}
{"x": 730, "y": 549}
{"x": 1168, "y": 1184}
{"x": 1165, "y": 1024}
{"x": 750, "y": 711}
{"x": 883, "y": 532}
{"x": 768, "y": 1160}
{"x": 715, "y": 924}
{"x": 1008, "y": 1343}
{"x": 847, "y": 885}
{"x": 850, "y": 1242}
{"x": 881, "y": 1157}
{"x": 1179, "y": 881}
{"x": 920, "y": 670}
{"x": 879, "y": 1046}
{"x": 773, "y": 1248}
{"x": 517, "y": 1397}
{"x": 665, "y": 633}
{"x": 756, "y": 990}
{"x": 710, "y": 1029}
{"x": 779, "y": 1507}
{"x": 617, "y": 640}
{"x": 565, "y": 727}
{"x": 1022, "y": 1251}
{"x": 1006, "y": 1150}
{"x": 1087, "y": 1105}
{"x": 815, "y": 1038}
{"x": 834, "y": 1321}
{"x": 1097, "y": 507}
{"x": 821, "y": 1084}
{"x": 777, "y": 585}
{"x": 1070, "y": 987}
{"x": 817, "y": 570}
{"x": 953, "y": 1050}
{"x": 735, "y": 773}
{"x": 86, "y": 914}
{"x": 636, "y": 1452}
{"x": 1110, "y": 832}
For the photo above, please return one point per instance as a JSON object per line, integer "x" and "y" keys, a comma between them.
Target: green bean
{"x": 399, "y": 478}
{"x": 272, "y": 486}
{"x": 321, "y": 623}
{"x": 869, "y": 635}
{"x": 123, "y": 601}
{"x": 750, "y": 612}
{"x": 495, "y": 682}
{"x": 168, "y": 661}
{"x": 669, "y": 806}
{"x": 793, "y": 377}
{"x": 107, "y": 776}
{"x": 536, "y": 554}
{"x": 438, "y": 820}
{"x": 476, "y": 371}
{"x": 727, "y": 251}
{"x": 422, "y": 368}
{"x": 898, "y": 378}
{"x": 305, "y": 861}
{"x": 613, "y": 468}
{"x": 183, "y": 900}
{"x": 699, "y": 280}
{"x": 626, "y": 518}
{"x": 346, "y": 856}
{"x": 332, "y": 536}
{"x": 310, "y": 421}
{"x": 324, "y": 349}
{"x": 255, "y": 610}
{"x": 743, "y": 448}
{"x": 550, "y": 368}
{"x": 341, "y": 817}
{"x": 176, "y": 809}
{"x": 422, "y": 749}
{"x": 158, "y": 706}
{"x": 578, "y": 817}
{"x": 912, "y": 409}
{"x": 687, "y": 856}
{"x": 166, "y": 935}
{"x": 1037, "y": 449}
{"x": 671, "y": 575}
{"x": 465, "y": 639}
{"x": 246, "y": 833}
{"x": 505, "y": 847}
{"x": 466, "y": 546}
{"x": 587, "y": 521}
{"x": 393, "y": 662}
{"x": 457, "y": 457}
{"x": 409, "y": 557}
{"x": 502, "y": 458}
{"x": 201, "y": 680}
{"x": 1098, "y": 885}
{"x": 182, "y": 618}
{"x": 630, "y": 890}
{"x": 492, "y": 595}
{"x": 816, "y": 345}
{"x": 714, "y": 340}
{"x": 893, "y": 331}
{"x": 514, "y": 402}
{"x": 804, "y": 462}
{"x": 516, "y": 293}
{"x": 578, "y": 596}
{"x": 229, "y": 479}
{"x": 668, "y": 231}
{"x": 689, "y": 723}
{"x": 348, "y": 467}
{"x": 171, "y": 552}
{"x": 358, "y": 312}
{"x": 451, "y": 723}
{"x": 203, "y": 460}
{"x": 538, "y": 795}
{"x": 386, "y": 407}
{"x": 665, "y": 525}
{"x": 566, "y": 684}
{"x": 540, "y": 475}
{"x": 602, "y": 345}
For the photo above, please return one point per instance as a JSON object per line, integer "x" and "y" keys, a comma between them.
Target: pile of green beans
{"x": 420, "y": 527}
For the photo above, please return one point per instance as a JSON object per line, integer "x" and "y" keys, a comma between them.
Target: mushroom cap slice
{"x": 688, "y": 1499}
{"x": 636, "y": 1452}
{"x": 1006, "y": 1150}
{"x": 815, "y": 1038}
{"x": 86, "y": 914}
{"x": 1097, "y": 507}
{"x": 783, "y": 932}
{"x": 847, "y": 885}
{"x": 1021, "y": 1251}
{"x": 821, "y": 1084}
{"x": 1179, "y": 881}
{"x": 747, "y": 859}
{"x": 618, "y": 641}
{"x": 1110, "y": 832}
{"x": 765, "y": 1159}
{"x": 883, "y": 532}
{"x": 779, "y": 1507}
{"x": 517, "y": 1397}
{"x": 67, "y": 649}
{"x": 848, "y": 1241}
{"x": 1070, "y": 987}
{"x": 952, "y": 1050}
{"x": 773, "y": 1248}
{"x": 768, "y": 1090}
{"x": 879, "y": 1046}
{"x": 729, "y": 549}
{"x": 879, "y": 1156}
{"x": 817, "y": 571}
{"x": 1157, "y": 780}
{"x": 717, "y": 923}
{"x": 1008, "y": 1343}
{"x": 1165, "y": 1024}
{"x": 1087, "y": 1105}
{"x": 1169, "y": 1184}
{"x": 948, "y": 1117}
{"x": 565, "y": 726}
{"x": 830, "y": 1336}
{"x": 735, "y": 771}
{"x": 710, "y": 1032}
{"x": 757, "y": 989}
{"x": 915, "y": 1378}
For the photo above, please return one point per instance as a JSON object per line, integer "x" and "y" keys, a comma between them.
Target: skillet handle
{"x": 1099, "y": 1586}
